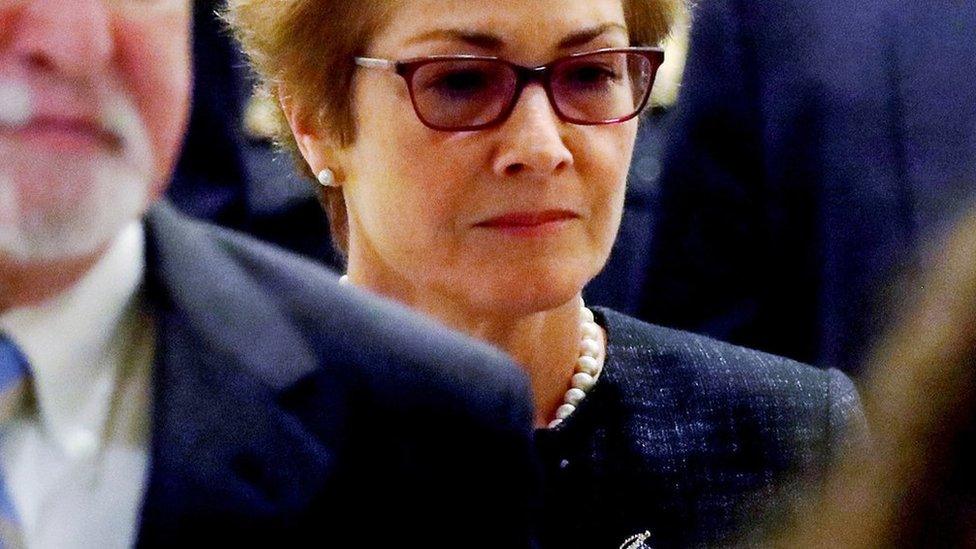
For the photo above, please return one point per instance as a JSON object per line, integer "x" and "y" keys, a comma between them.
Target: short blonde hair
{"x": 308, "y": 45}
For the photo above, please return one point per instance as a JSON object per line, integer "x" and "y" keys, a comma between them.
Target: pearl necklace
{"x": 589, "y": 366}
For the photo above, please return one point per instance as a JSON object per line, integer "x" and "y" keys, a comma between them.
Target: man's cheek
{"x": 156, "y": 66}
{"x": 167, "y": 124}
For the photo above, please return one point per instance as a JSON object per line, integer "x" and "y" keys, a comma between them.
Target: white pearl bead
{"x": 589, "y": 365}
{"x": 564, "y": 411}
{"x": 586, "y": 315}
{"x": 583, "y": 382}
{"x": 327, "y": 178}
{"x": 574, "y": 396}
{"x": 591, "y": 330}
{"x": 590, "y": 347}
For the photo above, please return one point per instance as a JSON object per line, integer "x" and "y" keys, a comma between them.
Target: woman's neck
{"x": 545, "y": 343}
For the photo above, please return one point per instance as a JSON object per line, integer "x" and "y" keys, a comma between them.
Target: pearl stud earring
{"x": 327, "y": 178}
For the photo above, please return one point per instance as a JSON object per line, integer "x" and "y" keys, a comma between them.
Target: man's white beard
{"x": 55, "y": 207}
{"x": 78, "y": 227}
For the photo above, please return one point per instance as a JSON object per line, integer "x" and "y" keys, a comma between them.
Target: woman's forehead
{"x": 501, "y": 26}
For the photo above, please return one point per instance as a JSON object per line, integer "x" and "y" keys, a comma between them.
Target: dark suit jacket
{"x": 818, "y": 147}
{"x": 687, "y": 438}
{"x": 288, "y": 410}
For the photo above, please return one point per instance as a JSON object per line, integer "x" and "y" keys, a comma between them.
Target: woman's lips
{"x": 529, "y": 223}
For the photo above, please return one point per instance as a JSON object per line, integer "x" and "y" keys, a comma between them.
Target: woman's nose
{"x": 531, "y": 142}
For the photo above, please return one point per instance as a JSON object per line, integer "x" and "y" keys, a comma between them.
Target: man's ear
{"x": 316, "y": 147}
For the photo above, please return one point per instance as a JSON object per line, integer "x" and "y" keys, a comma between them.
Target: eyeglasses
{"x": 470, "y": 92}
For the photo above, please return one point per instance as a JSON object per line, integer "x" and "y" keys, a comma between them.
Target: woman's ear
{"x": 314, "y": 145}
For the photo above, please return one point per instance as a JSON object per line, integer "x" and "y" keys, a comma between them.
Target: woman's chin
{"x": 516, "y": 293}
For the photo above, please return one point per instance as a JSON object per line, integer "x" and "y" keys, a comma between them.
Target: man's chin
{"x": 71, "y": 219}
{"x": 19, "y": 262}
{"x": 52, "y": 248}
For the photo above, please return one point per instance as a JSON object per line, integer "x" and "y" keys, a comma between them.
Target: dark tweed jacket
{"x": 687, "y": 438}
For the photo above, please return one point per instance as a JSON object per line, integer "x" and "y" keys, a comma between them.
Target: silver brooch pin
{"x": 637, "y": 541}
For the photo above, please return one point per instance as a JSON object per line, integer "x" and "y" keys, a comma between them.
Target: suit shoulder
{"x": 265, "y": 258}
{"x": 371, "y": 341}
{"x": 720, "y": 394}
{"x": 716, "y": 369}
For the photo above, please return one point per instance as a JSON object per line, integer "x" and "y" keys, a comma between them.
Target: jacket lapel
{"x": 224, "y": 445}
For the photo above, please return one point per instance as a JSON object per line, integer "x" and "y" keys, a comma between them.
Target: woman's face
{"x": 516, "y": 218}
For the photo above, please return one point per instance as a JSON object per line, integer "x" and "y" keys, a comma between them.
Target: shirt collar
{"x": 72, "y": 339}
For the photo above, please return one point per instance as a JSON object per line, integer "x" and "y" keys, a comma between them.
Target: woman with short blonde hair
{"x": 473, "y": 159}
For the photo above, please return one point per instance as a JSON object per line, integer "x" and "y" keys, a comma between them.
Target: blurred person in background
{"x": 164, "y": 382}
{"x": 817, "y": 149}
{"x": 916, "y": 488}
{"x": 621, "y": 284}
{"x": 472, "y": 157}
{"x": 229, "y": 172}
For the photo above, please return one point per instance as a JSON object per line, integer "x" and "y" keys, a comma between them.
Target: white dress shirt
{"x": 75, "y": 462}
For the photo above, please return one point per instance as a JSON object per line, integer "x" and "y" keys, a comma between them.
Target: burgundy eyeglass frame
{"x": 523, "y": 75}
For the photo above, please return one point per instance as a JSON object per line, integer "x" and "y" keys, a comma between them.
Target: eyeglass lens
{"x": 590, "y": 89}
{"x": 459, "y": 93}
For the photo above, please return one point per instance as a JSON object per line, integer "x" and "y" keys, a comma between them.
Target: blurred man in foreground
{"x": 165, "y": 381}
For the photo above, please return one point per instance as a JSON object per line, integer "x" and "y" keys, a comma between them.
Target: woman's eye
{"x": 591, "y": 76}
{"x": 459, "y": 83}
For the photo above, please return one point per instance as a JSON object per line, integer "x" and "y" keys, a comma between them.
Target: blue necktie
{"x": 14, "y": 380}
